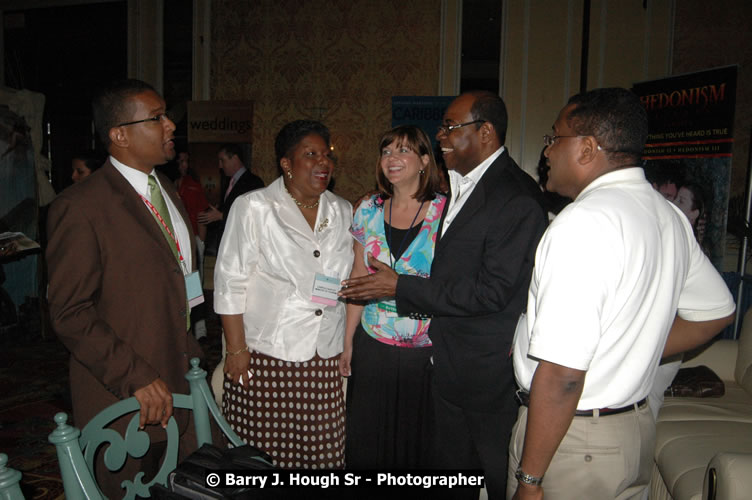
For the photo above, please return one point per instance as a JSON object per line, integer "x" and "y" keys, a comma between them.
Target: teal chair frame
{"x": 76, "y": 449}
{"x": 9, "y": 481}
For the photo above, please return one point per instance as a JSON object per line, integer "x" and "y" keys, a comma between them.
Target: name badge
{"x": 193, "y": 289}
{"x": 388, "y": 308}
{"x": 325, "y": 289}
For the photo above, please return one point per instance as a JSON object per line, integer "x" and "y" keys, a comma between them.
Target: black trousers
{"x": 467, "y": 439}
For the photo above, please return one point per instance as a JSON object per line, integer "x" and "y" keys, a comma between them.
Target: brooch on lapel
{"x": 324, "y": 224}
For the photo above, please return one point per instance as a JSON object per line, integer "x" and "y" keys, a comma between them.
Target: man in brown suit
{"x": 117, "y": 290}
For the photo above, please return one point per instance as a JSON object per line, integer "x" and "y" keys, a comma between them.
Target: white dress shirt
{"x": 140, "y": 182}
{"x": 233, "y": 180}
{"x": 463, "y": 186}
{"x": 266, "y": 266}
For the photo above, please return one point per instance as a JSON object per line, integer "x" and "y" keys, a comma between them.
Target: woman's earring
{"x": 421, "y": 171}
{"x": 289, "y": 175}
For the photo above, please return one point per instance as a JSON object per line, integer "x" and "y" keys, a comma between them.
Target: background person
{"x": 241, "y": 181}
{"x": 192, "y": 195}
{"x": 284, "y": 335}
{"x": 388, "y": 392}
{"x": 83, "y": 164}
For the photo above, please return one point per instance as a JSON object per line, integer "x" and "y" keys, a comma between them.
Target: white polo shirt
{"x": 610, "y": 273}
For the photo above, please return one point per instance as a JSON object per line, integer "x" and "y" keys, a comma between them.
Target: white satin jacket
{"x": 265, "y": 270}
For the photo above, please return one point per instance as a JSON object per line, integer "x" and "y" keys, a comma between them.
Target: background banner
{"x": 688, "y": 152}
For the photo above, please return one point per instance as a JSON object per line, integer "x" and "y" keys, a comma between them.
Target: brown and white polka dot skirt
{"x": 294, "y": 411}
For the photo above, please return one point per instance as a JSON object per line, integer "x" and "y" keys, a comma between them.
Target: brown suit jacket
{"x": 117, "y": 294}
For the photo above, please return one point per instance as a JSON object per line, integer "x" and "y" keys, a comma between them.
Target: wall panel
{"x": 541, "y": 69}
{"x": 339, "y": 61}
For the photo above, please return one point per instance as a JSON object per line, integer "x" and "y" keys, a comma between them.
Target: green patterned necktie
{"x": 161, "y": 207}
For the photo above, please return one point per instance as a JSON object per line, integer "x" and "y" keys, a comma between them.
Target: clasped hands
{"x": 382, "y": 283}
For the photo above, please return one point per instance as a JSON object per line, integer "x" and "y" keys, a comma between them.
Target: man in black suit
{"x": 241, "y": 181}
{"x": 477, "y": 289}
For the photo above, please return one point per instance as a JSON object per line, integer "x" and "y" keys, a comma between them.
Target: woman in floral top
{"x": 386, "y": 356}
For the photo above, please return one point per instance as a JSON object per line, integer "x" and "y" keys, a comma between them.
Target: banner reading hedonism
{"x": 688, "y": 152}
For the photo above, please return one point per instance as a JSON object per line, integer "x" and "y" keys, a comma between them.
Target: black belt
{"x": 524, "y": 398}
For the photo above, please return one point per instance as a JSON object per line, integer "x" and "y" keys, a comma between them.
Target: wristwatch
{"x": 527, "y": 478}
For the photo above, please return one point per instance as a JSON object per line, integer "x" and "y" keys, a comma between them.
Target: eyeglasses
{"x": 549, "y": 140}
{"x": 157, "y": 118}
{"x": 445, "y": 129}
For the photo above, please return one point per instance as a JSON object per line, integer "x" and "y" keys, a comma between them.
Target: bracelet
{"x": 233, "y": 353}
{"x": 527, "y": 478}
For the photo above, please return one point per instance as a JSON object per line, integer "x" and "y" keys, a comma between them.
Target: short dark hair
{"x": 292, "y": 133}
{"x": 233, "y": 149}
{"x": 490, "y": 108}
{"x": 91, "y": 159}
{"x": 110, "y": 106}
{"x": 416, "y": 139}
{"x": 616, "y": 118}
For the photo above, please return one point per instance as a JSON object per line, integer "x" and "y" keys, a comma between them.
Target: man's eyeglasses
{"x": 157, "y": 118}
{"x": 549, "y": 140}
{"x": 445, "y": 129}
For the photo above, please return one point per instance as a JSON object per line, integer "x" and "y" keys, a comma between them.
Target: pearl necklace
{"x": 302, "y": 205}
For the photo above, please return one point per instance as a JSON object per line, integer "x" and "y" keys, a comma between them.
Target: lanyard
{"x": 404, "y": 238}
{"x": 167, "y": 229}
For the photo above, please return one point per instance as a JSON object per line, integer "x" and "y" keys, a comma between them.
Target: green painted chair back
{"x": 9, "y": 481}
{"x": 76, "y": 449}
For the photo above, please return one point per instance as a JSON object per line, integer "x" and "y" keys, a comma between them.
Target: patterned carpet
{"x": 33, "y": 388}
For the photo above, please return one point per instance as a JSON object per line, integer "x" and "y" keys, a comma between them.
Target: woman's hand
{"x": 344, "y": 361}
{"x": 237, "y": 365}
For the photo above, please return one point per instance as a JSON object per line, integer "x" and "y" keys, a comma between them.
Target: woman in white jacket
{"x": 285, "y": 250}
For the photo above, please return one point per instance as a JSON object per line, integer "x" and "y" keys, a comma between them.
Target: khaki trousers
{"x": 600, "y": 457}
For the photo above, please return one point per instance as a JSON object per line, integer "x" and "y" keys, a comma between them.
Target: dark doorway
{"x": 481, "y": 45}
{"x": 66, "y": 53}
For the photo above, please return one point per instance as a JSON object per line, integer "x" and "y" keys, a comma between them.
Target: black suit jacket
{"x": 478, "y": 287}
{"x": 246, "y": 182}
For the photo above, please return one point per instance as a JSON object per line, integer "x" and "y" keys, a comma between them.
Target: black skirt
{"x": 389, "y": 409}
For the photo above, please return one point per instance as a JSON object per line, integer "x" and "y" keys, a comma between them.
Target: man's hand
{"x": 382, "y": 283}
{"x": 528, "y": 492}
{"x": 156, "y": 403}
{"x": 209, "y": 215}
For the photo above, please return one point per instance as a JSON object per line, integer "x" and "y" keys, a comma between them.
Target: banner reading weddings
{"x": 688, "y": 151}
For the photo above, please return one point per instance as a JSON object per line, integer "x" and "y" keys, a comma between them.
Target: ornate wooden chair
{"x": 76, "y": 449}
{"x": 9, "y": 480}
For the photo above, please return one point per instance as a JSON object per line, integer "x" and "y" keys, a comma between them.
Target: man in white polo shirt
{"x": 619, "y": 281}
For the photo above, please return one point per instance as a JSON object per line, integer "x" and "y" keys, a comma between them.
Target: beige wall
{"x": 541, "y": 50}
{"x": 340, "y": 61}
